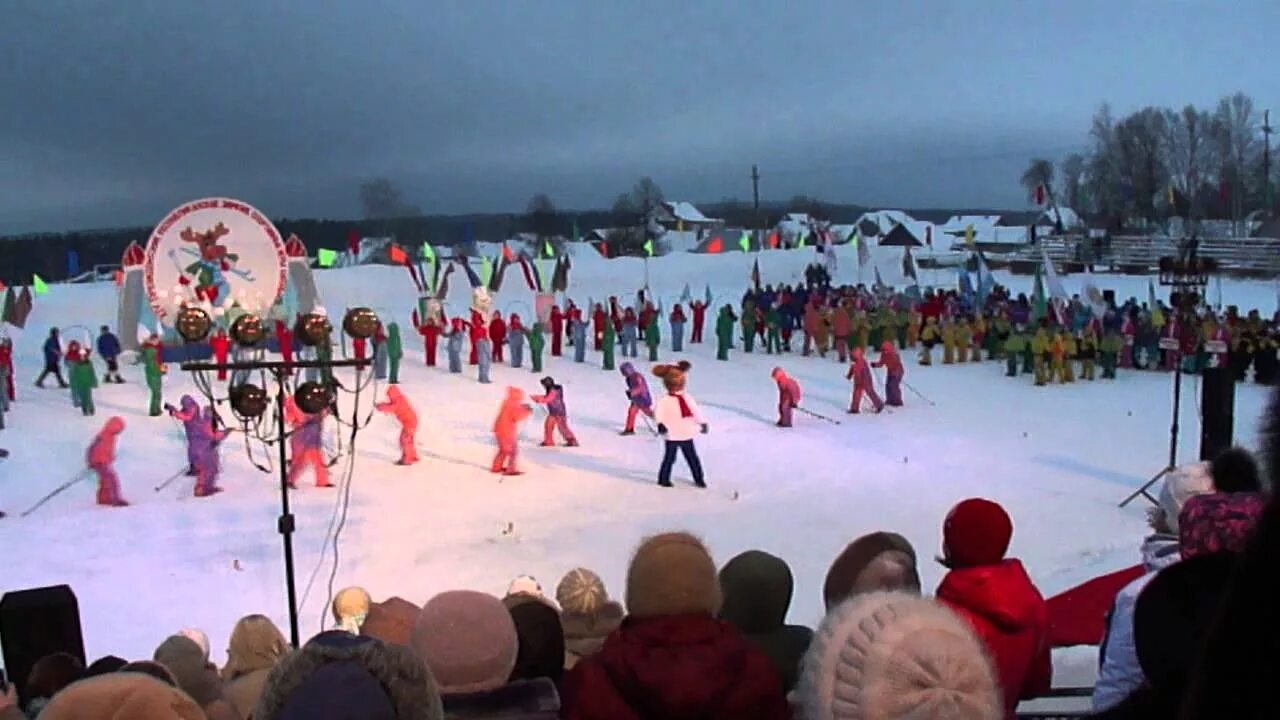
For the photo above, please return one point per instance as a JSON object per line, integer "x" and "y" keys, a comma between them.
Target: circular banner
{"x": 218, "y": 253}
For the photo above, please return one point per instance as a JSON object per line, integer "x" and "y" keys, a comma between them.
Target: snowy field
{"x": 1059, "y": 458}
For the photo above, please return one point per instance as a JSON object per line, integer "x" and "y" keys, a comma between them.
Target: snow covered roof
{"x": 886, "y": 219}
{"x": 678, "y": 210}
{"x": 991, "y": 235}
{"x": 960, "y": 222}
{"x": 793, "y": 224}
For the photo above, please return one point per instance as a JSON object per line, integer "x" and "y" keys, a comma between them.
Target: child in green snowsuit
{"x": 773, "y": 324}
{"x": 83, "y": 380}
{"x": 748, "y": 327}
{"x": 1014, "y": 346}
{"x": 536, "y": 343}
{"x": 652, "y": 338}
{"x": 610, "y": 341}
{"x": 395, "y": 351}
{"x": 152, "y": 367}
{"x": 1112, "y": 344}
{"x": 724, "y": 332}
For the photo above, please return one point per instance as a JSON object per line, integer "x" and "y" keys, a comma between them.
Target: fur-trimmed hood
{"x": 403, "y": 677}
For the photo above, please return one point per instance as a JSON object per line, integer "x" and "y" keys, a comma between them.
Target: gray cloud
{"x": 116, "y": 111}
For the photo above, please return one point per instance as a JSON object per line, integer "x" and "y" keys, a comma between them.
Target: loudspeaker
{"x": 35, "y": 623}
{"x": 1217, "y": 411}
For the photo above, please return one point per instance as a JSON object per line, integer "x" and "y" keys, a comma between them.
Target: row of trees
{"x": 1214, "y": 160}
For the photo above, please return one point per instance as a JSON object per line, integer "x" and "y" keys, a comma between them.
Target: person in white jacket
{"x": 679, "y": 421}
{"x": 1120, "y": 674}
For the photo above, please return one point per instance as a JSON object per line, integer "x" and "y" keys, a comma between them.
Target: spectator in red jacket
{"x": 598, "y": 318}
{"x": 672, "y": 658}
{"x": 699, "y": 318}
{"x": 557, "y": 329}
{"x": 430, "y": 331}
{"x": 479, "y": 330}
{"x": 997, "y": 598}
{"x": 497, "y": 335}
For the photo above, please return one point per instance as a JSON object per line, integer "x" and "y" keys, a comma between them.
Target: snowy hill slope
{"x": 1058, "y": 458}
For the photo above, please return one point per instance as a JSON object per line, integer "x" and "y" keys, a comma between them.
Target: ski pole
{"x": 648, "y": 424}
{"x": 918, "y": 393}
{"x": 169, "y": 482}
{"x": 814, "y": 414}
{"x": 81, "y": 476}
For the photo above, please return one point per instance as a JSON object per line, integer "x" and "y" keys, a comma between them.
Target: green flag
{"x": 325, "y": 257}
{"x": 648, "y": 248}
{"x": 428, "y": 252}
{"x": 486, "y": 271}
{"x": 547, "y": 249}
{"x": 1039, "y": 307}
{"x": 38, "y": 284}
{"x": 744, "y": 242}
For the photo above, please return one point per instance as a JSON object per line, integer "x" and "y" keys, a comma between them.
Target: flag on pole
{"x": 397, "y": 256}
{"x": 38, "y": 284}
{"x": 1052, "y": 281}
{"x": 686, "y": 296}
{"x": 529, "y": 273}
{"x": 744, "y": 242}
{"x": 864, "y": 251}
{"x": 969, "y": 235}
{"x": 540, "y": 275}
{"x": 909, "y": 266}
{"x": 22, "y": 308}
{"x": 507, "y": 254}
{"x": 428, "y": 252}
{"x": 986, "y": 281}
{"x": 1093, "y": 296}
{"x": 1039, "y": 307}
{"x": 547, "y": 249}
{"x": 1157, "y": 315}
{"x": 486, "y": 271}
{"x": 966, "y": 285}
{"x": 707, "y": 296}
{"x": 648, "y": 248}
{"x": 755, "y": 273}
{"x": 325, "y": 257}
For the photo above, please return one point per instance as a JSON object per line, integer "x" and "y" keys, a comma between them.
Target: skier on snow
{"x": 398, "y": 405}
{"x": 860, "y": 373}
{"x": 101, "y": 459}
{"x": 506, "y": 432}
{"x": 894, "y": 372}
{"x": 188, "y": 413}
{"x": 638, "y": 397}
{"x": 207, "y": 463}
{"x": 788, "y": 396}
{"x": 306, "y": 441}
{"x": 557, "y": 414}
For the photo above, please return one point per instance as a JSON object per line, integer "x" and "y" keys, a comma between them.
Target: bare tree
{"x": 380, "y": 199}
{"x": 541, "y": 217}
{"x": 1188, "y": 145}
{"x": 1072, "y": 172}
{"x": 1038, "y": 173}
{"x": 1235, "y": 130}
{"x": 1102, "y": 178}
{"x": 646, "y": 196}
{"x": 1141, "y": 153}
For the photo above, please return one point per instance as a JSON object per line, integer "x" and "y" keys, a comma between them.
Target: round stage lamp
{"x": 193, "y": 323}
{"x": 312, "y": 329}
{"x": 360, "y": 323}
{"x": 248, "y": 330}
{"x": 248, "y": 400}
{"x": 312, "y": 397}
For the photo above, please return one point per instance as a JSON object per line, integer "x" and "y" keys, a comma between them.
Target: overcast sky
{"x": 113, "y": 112}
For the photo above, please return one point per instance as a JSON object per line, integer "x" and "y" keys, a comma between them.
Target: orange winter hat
{"x": 121, "y": 696}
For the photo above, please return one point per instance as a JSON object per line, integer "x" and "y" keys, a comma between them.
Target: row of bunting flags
{"x": 430, "y": 272}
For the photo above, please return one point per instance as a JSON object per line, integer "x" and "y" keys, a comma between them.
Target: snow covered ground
{"x": 1059, "y": 458}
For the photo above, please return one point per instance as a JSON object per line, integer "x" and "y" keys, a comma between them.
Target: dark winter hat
{"x": 185, "y": 660}
{"x": 391, "y": 621}
{"x": 468, "y": 641}
{"x": 1235, "y": 470}
{"x": 1218, "y": 521}
{"x": 103, "y": 665}
{"x": 548, "y": 382}
{"x": 53, "y": 672}
{"x": 878, "y": 561}
{"x": 540, "y": 637}
{"x": 757, "y": 589}
{"x": 339, "y": 676}
{"x": 976, "y": 532}
{"x": 672, "y": 574}
{"x": 1174, "y": 615}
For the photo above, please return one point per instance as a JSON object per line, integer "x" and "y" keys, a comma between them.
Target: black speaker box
{"x": 1217, "y": 411}
{"x": 35, "y": 623}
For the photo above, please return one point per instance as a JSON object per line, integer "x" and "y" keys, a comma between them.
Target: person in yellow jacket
{"x": 948, "y": 333}
{"x": 822, "y": 334}
{"x": 1088, "y": 353}
{"x": 1040, "y": 348}
{"x": 861, "y": 330}
{"x": 914, "y": 321}
{"x": 929, "y": 337}
{"x": 964, "y": 336}
{"x": 979, "y": 335}
{"x": 1070, "y": 350}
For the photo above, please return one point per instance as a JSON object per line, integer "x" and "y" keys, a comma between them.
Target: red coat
{"x": 891, "y": 361}
{"x": 788, "y": 389}
{"x": 699, "y": 312}
{"x": 677, "y": 314}
{"x": 1008, "y": 614}
{"x": 514, "y": 410}
{"x": 597, "y": 320}
{"x": 497, "y": 331}
{"x": 557, "y": 319}
{"x": 478, "y": 329}
{"x": 684, "y": 666}
{"x": 103, "y": 449}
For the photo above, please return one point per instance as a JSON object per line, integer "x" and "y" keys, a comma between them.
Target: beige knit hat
{"x": 121, "y": 696}
{"x": 672, "y": 574}
{"x": 351, "y": 607}
{"x": 581, "y": 592}
{"x": 467, "y": 640}
{"x": 891, "y": 656}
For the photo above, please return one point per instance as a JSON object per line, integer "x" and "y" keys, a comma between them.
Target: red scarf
{"x": 685, "y": 412}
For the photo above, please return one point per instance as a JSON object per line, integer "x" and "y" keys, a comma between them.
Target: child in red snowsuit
{"x": 101, "y": 459}
{"x": 497, "y": 335}
{"x": 478, "y": 331}
{"x": 892, "y": 363}
{"x": 557, "y": 414}
{"x": 306, "y": 441}
{"x": 506, "y": 431}
{"x": 788, "y": 396}
{"x": 860, "y": 373}
{"x": 398, "y": 405}
{"x": 699, "y": 316}
{"x": 557, "y": 329}
{"x": 6, "y": 367}
{"x": 597, "y": 326}
{"x": 430, "y": 331}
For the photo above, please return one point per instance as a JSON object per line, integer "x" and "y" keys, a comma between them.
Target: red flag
{"x": 773, "y": 240}
{"x": 397, "y": 255}
{"x": 353, "y": 241}
{"x": 715, "y": 246}
{"x": 507, "y": 254}
{"x": 1041, "y": 194}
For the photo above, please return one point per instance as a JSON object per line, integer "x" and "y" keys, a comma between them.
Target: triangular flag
{"x": 397, "y": 256}
{"x": 539, "y": 275}
{"x": 966, "y": 285}
{"x": 1039, "y": 307}
{"x": 547, "y": 249}
{"x": 22, "y": 308}
{"x": 744, "y": 242}
{"x": 969, "y": 235}
{"x": 38, "y": 284}
{"x": 648, "y": 248}
{"x": 428, "y": 252}
{"x": 986, "y": 281}
{"x": 326, "y": 257}
{"x": 486, "y": 271}
{"x": 495, "y": 280}
{"x": 708, "y": 295}
{"x": 1052, "y": 281}
{"x": 686, "y": 296}
{"x": 10, "y": 307}
{"x": 507, "y": 254}
{"x": 755, "y": 273}
{"x": 1157, "y": 315}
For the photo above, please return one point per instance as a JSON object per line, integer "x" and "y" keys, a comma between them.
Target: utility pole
{"x": 755, "y": 190}
{"x": 1266, "y": 161}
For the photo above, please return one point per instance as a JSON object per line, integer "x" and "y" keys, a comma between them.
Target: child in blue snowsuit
{"x": 484, "y": 359}
{"x": 579, "y": 340}
{"x": 453, "y": 347}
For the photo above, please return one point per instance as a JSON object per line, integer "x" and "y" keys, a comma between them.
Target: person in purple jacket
{"x": 196, "y": 430}
{"x": 207, "y": 463}
{"x": 557, "y": 414}
{"x": 638, "y": 396}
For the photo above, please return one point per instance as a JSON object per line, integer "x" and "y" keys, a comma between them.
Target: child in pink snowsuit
{"x": 860, "y": 373}
{"x": 397, "y": 404}
{"x": 101, "y": 459}
{"x": 208, "y": 464}
{"x": 557, "y": 414}
{"x": 506, "y": 430}
{"x": 305, "y": 441}
{"x": 788, "y": 396}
